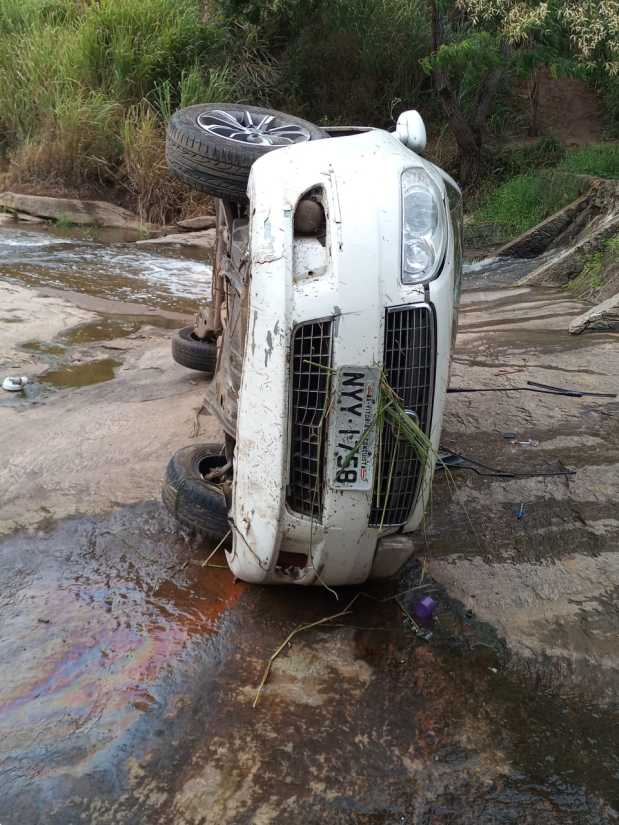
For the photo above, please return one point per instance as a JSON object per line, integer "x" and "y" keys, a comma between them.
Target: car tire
{"x": 206, "y": 150}
{"x": 193, "y": 352}
{"x": 195, "y": 503}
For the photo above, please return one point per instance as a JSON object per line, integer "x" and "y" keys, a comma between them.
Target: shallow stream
{"x": 105, "y": 264}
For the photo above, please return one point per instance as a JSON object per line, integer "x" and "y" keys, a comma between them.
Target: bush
{"x": 600, "y": 159}
{"x": 544, "y": 153}
{"x": 526, "y": 200}
{"x": 336, "y": 61}
{"x": 358, "y": 60}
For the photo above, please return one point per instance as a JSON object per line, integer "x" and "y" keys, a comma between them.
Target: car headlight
{"x": 423, "y": 226}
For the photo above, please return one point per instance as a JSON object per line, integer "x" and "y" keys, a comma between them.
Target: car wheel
{"x": 212, "y": 147}
{"x": 195, "y": 353}
{"x": 196, "y": 503}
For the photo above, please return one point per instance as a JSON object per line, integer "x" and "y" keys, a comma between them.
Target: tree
{"x": 477, "y": 45}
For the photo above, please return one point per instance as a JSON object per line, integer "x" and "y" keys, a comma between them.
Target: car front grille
{"x": 311, "y": 362}
{"x": 409, "y": 357}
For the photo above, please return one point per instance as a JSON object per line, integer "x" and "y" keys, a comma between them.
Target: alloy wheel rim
{"x": 248, "y": 128}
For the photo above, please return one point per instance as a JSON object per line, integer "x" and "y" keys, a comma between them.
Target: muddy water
{"x": 81, "y": 375}
{"x": 94, "y": 615}
{"x": 104, "y": 264}
{"x": 132, "y": 675}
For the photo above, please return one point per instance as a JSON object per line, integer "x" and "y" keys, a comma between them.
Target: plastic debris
{"x": 423, "y": 610}
{"x": 521, "y": 512}
{"x": 14, "y": 383}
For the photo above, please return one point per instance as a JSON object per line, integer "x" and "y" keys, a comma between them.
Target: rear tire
{"x": 194, "y": 353}
{"x": 195, "y": 503}
{"x": 218, "y": 162}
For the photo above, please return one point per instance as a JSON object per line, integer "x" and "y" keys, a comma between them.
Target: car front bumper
{"x": 351, "y": 284}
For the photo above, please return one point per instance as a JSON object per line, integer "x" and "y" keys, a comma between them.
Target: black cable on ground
{"x": 577, "y": 393}
{"x": 544, "y": 389}
{"x": 452, "y": 460}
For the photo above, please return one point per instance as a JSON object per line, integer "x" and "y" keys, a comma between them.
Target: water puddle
{"x": 103, "y": 329}
{"x": 105, "y": 266}
{"x": 110, "y": 327}
{"x": 125, "y": 654}
{"x": 81, "y": 375}
{"x": 44, "y": 348}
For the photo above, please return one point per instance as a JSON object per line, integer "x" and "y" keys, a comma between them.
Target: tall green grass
{"x": 127, "y": 47}
{"x": 72, "y": 73}
{"x": 86, "y": 86}
{"x": 525, "y": 200}
{"x": 599, "y": 159}
{"x": 337, "y": 61}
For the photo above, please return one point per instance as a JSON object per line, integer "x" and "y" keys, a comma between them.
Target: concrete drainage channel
{"x": 135, "y": 666}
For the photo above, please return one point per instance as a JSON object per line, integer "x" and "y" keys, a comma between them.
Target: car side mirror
{"x": 411, "y": 130}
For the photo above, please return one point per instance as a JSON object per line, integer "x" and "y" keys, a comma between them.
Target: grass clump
{"x": 64, "y": 222}
{"x": 77, "y": 141}
{"x": 525, "y": 200}
{"x": 599, "y": 159}
{"x": 158, "y": 197}
{"x": 591, "y": 278}
{"x": 394, "y": 429}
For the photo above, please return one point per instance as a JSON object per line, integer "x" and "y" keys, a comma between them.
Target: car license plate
{"x": 352, "y": 422}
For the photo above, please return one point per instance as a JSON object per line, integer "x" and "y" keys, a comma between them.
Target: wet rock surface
{"x": 81, "y": 212}
{"x": 603, "y": 316}
{"x": 205, "y": 239}
{"x": 134, "y": 671}
{"x": 130, "y": 671}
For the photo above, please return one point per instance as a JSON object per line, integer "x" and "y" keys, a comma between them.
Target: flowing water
{"x": 108, "y": 264}
{"x": 498, "y": 271}
{"x": 104, "y": 264}
{"x": 126, "y": 285}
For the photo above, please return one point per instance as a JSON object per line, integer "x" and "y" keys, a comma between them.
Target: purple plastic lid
{"x": 424, "y": 609}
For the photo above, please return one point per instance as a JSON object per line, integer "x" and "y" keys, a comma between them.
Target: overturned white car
{"x": 335, "y": 291}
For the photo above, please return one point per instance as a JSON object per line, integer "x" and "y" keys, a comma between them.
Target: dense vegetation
{"x": 86, "y": 86}
{"x": 552, "y": 180}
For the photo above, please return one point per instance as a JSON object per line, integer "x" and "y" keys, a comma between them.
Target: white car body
{"x": 351, "y": 280}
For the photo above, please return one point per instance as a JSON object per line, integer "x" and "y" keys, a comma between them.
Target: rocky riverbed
{"x": 130, "y": 670}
